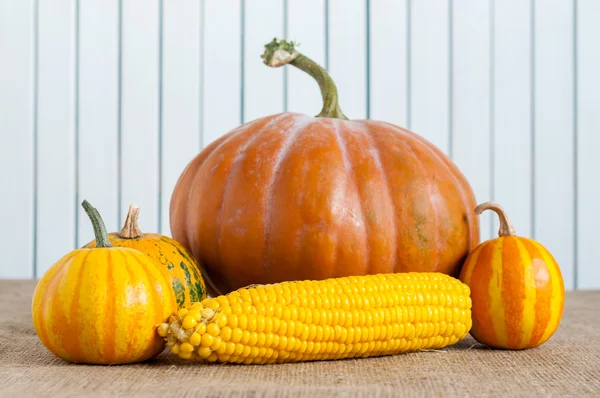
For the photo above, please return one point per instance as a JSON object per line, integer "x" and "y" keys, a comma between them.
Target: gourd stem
{"x": 131, "y": 230}
{"x": 280, "y": 52}
{"x": 506, "y": 228}
{"x": 99, "y": 227}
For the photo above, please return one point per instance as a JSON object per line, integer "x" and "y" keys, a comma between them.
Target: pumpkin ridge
{"x": 530, "y": 314}
{"x": 224, "y": 140}
{"x": 133, "y": 336}
{"x": 234, "y": 171}
{"x": 558, "y": 292}
{"x": 74, "y": 318}
{"x": 196, "y": 291}
{"x": 541, "y": 303}
{"x": 494, "y": 288}
{"x": 111, "y": 305}
{"x": 178, "y": 205}
{"x": 51, "y": 285}
{"x": 452, "y": 173}
{"x": 60, "y": 279}
{"x": 435, "y": 212}
{"x": 351, "y": 181}
{"x": 453, "y": 170}
{"x": 193, "y": 204}
{"x": 281, "y": 157}
{"x": 479, "y": 282}
{"x": 198, "y": 274}
{"x": 513, "y": 290}
{"x": 156, "y": 298}
{"x": 375, "y": 153}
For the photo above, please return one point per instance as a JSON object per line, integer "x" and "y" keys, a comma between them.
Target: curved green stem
{"x": 278, "y": 53}
{"x": 99, "y": 227}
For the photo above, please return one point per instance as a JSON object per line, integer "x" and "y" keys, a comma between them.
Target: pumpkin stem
{"x": 99, "y": 227}
{"x": 506, "y": 228}
{"x": 278, "y": 53}
{"x": 131, "y": 230}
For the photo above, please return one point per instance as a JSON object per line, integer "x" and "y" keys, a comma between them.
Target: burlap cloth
{"x": 567, "y": 365}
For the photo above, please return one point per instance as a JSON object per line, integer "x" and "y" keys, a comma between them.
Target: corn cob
{"x": 355, "y": 316}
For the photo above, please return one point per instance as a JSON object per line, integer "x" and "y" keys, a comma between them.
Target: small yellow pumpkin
{"x": 102, "y": 305}
{"x": 175, "y": 261}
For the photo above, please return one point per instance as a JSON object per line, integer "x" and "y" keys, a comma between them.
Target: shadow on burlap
{"x": 568, "y": 365}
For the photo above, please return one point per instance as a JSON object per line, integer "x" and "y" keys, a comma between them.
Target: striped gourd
{"x": 516, "y": 287}
{"x": 355, "y": 316}
{"x": 178, "y": 265}
{"x": 102, "y": 305}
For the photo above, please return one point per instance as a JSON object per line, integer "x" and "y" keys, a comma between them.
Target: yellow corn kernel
{"x": 162, "y": 329}
{"x": 212, "y": 357}
{"x": 201, "y": 328}
{"x": 195, "y": 314}
{"x": 216, "y": 344}
{"x": 239, "y": 349}
{"x": 221, "y": 320}
{"x": 182, "y": 312}
{"x": 207, "y": 340}
{"x": 236, "y": 335}
{"x": 357, "y": 316}
{"x": 226, "y": 333}
{"x": 230, "y": 348}
{"x": 188, "y": 322}
{"x": 232, "y": 320}
{"x": 195, "y": 339}
{"x": 204, "y": 352}
{"x": 213, "y": 328}
{"x": 186, "y": 347}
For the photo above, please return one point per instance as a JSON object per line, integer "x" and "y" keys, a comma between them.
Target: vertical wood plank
{"x": 588, "y": 142}
{"x": 17, "y": 46}
{"x": 222, "y": 68}
{"x": 429, "y": 63}
{"x": 98, "y": 113}
{"x": 554, "y": 134}
{"x": 263, "y": 86}
{"x": 140, "y": 87}
{"x": 302, "y": 91}
{"x": 182, "y": 87}
{"x": 389, "y": 61}
{"x": 347, "y": 54}
{"x": 56, "y": 132}
{"x": 512, "y": 112}
{"x": 471, "y": 119}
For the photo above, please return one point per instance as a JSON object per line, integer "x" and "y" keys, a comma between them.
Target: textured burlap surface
{"x": 567, "y": 365}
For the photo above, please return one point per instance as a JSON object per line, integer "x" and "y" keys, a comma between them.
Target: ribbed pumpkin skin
{"x": 102, "y": 306}
{"x": 517, "y": 292}
{"x": 179, "y": 267}
{"x": 293, "y": 197}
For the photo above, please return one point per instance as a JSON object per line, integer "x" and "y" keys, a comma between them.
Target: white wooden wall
{"x": 108, "y": 100}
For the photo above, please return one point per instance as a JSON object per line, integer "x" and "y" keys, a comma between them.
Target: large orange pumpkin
{"x": 294, "y": 197}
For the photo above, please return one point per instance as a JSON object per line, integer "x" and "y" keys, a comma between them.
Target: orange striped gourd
{"x": 516, "y": 286}
{"x": 102, "y": 305}
{"x": 178, "y": 265}
{"x": 355, "y": 316}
